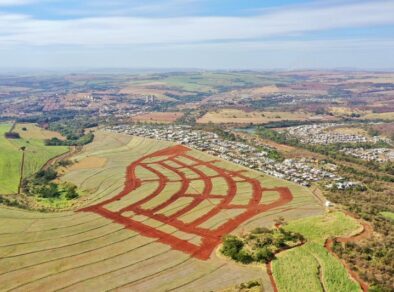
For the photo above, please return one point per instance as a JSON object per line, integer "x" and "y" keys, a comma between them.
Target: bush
{"x": 232, "y": 246}
{"x": 12, "y": 135}
{"x": 244, "y": 257}
{"x": 49, "y": 191}
{"x": 46, "y": 174}
{"x": 71, "y": 191}
{"x": 260, "y": 230}
{"x": 65, "y": 163}
{"x": 259, "y": 245}
{"x": 264, "y": 255}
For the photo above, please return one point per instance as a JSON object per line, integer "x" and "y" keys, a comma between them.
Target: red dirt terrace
{"x": 172, "y": 159}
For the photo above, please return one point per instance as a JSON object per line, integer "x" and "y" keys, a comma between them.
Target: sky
{"x": 204, "y": 34}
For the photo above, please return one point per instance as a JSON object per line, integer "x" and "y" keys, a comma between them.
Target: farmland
{"x": 237, "y": 116}
{"x": 310, "y": 267}
{"x": 140, "y": 214}
{"x": 36, "y": 154}
{"x": 158, "y": 117}
{"x": 116, "y": 240}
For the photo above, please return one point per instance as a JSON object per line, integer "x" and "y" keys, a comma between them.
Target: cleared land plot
{"x": 86, "y": 250}
{"x": 242, "y": 117}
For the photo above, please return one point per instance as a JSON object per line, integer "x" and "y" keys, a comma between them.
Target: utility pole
{"x": 23, "y": 148}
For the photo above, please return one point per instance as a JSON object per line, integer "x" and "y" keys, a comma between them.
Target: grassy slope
{"x": 298, "y": 269}
{"x": 10, "y": 155}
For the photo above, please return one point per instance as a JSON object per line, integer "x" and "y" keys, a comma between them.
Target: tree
{"x": 49, "y": 191}
{"x": 231, "y": 246}
{"x": 71, "y": 191}
{"x": 264, "y": 255}
{"x": 244, "y": 257}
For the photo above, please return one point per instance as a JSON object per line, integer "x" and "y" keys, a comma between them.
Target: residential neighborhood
{"x": 301, "y": 171}
{"x": 322, "y": 134}
{"x": 374, "y": 154}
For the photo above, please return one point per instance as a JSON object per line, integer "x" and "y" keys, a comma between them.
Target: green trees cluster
{"x": 41, "y": 184}
{"x": 260, "y": 245}
{"x": 12, "y": 135}
{"x": 74, "y": 141}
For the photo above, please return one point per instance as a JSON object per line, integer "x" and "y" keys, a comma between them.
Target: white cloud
{"x": 14, "y": 2}
{"x": 25, "y": 30}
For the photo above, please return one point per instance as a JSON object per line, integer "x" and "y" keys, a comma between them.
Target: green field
{"x": 35, "y": 156}
{"x": 311, "y": 267}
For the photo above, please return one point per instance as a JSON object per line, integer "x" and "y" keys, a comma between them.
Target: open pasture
{"x": 150, "y": 220}
{"x": 36, "y": 154}
{"x": 236, "y": 116}
{"x": 157, "y": 117}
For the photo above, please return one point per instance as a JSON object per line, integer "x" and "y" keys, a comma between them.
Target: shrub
{"x": 12, "y": 135}
{"x": 244, "y": 257}
{"x": 71, "y": 191}
{"x": 231, "y": 246}
{"x": 49, "y": 191}
{"x": 259, "y": 230}
{"x": 46, "y": 174}
{"x": 264, "y": 255}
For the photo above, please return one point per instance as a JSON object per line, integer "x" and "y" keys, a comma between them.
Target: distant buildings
{"x": 299, "y": 171}
{"x": 374, "y": 154}
{"x": 322, "y": 134}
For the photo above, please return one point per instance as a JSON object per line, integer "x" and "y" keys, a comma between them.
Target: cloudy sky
{"x": 222, "y": 34}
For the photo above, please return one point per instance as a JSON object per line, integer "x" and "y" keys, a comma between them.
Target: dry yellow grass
{"x": 368, "y": 115}
{"x": 89, "y": 163}
{"x": 381, "y": 116}
{"x": 242, "y": 117}
{"x": 158, "y": 117}
{"x": 265, "y": 90}
{"x": 34, "y": 132}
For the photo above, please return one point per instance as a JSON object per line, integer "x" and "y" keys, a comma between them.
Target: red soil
{"x": 210, "y": 237}
{"x": 271, "y": 276}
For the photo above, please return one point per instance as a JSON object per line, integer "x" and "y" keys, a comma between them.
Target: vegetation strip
{"x": 364, "y": 233}
{"x": 269, "y": 266}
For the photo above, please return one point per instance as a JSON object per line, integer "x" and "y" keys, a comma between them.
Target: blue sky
{"x": 212, "y": 34}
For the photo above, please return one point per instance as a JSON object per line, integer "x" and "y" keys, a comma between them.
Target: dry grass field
{"x": 157, "y": 117}
{"x": 236, "y": 116}
{"x": 389, "y": 116}
{"x": 142, "y": 229}
{"x": 364, "y": 115}
{"x": 32, "y": 131}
